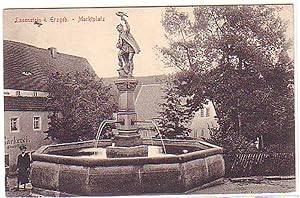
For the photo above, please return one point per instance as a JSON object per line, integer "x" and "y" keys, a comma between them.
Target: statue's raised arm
{"x": 128, "y": 47}
{"x": 123, "y": 15}
{"x": 126, "y": 24}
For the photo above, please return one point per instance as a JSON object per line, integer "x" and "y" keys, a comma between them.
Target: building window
{"x": 202, "y": 112}
{"x": 14, "y": 124}
{"x": 207, "y": 112}
{"x": 6, "y": 160}
{"x": 36, "y": 123}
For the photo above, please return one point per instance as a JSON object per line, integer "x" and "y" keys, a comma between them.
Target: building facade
{"x": 26, "y": 71}
{"x": 25, "y": 122}
{"x": 204, "y": 121}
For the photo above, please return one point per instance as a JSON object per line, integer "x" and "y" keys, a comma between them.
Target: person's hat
{"x": 23, "y": 147}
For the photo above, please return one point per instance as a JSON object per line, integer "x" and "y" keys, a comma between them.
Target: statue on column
{"x": 128, "y": 48}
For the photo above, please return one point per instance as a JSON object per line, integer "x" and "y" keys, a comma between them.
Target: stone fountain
{"x": 128, "y": 142}
{"x": 125, "y": 165}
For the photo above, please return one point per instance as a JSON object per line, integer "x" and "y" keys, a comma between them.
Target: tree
{"x": 236, "y": 56}
{"x": 174, "y": 115}
{"x": 78, "y": 102}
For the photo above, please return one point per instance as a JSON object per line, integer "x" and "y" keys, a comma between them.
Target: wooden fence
{"x": 255, "y": 164}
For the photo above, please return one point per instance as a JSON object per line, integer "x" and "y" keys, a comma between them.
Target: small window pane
{"x": 14, "y": 124}
{"x": 202, "y": 112}
{"x": 36, "y": 122}
{"x": 207, "y": 112}
{"x": 6, "y": 160}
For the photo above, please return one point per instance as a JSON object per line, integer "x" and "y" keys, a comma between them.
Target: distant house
{"x": 26, "y": 72}
{"x": 147, "y": 108}
{"x": 203, "y": 121}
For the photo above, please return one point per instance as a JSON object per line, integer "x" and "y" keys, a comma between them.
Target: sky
{"x": 96, "y": 41}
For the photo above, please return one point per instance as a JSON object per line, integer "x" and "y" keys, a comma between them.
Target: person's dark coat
{"x": 23, "y": 166}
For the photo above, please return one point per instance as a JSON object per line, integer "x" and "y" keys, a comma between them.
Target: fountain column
{"x": 127, "y": 142}
{"x": 126, "y": 116}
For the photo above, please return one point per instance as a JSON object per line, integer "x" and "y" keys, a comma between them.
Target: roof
{"x": 148, "y": 100}
{"x": 142, "y": 80}
{"x": 27, "y": 67}
{"x": 25, "y": 103}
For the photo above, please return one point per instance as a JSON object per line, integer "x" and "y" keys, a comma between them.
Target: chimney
{"x": 53, "y": 51}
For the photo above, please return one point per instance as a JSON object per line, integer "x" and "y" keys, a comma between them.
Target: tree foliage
{"x": 174, "y": 114}
{"x": 238, "y": 57}
{"x": 78, "y": 102}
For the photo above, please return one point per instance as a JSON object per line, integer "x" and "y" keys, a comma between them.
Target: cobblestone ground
{"x": 11, "y": 190}
{"x": 264, "y": 186}
{"x": 251, "y": 187}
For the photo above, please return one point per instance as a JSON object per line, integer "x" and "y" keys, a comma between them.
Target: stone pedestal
{"x": 127, "y": 141}
{"x": 134, "y": 151}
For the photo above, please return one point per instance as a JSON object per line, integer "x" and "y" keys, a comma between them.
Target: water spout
{"x": 161, "y": 139}
{"x": 100, "y": 129}
{"x": 157, "y": 129}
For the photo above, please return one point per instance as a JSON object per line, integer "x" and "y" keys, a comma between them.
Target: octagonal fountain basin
{"x": 79, "y": 169}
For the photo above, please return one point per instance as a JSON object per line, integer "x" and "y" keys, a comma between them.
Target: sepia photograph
{"x": 149, "y": 100}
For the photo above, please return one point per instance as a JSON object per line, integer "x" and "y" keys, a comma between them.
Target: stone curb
{"x": 207, "y": 185}
{"x": 255, "y": 178}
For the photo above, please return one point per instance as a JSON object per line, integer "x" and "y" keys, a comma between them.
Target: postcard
{"x": 149, "y": 100}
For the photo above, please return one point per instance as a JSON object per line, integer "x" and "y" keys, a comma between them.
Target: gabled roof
{"x": 27, "y": 67}
{"x": 142, "y": 80}
{"x": 148, "y": 100}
